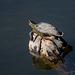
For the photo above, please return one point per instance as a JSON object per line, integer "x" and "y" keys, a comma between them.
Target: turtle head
{"x": 32, "y": 24}
{"x": 35, "y": 27}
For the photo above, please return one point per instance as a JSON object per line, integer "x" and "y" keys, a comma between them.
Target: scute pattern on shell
{"x": 47, "y": 29}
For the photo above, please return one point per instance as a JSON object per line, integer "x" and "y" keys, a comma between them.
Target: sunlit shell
{"x": 45, "y": 29}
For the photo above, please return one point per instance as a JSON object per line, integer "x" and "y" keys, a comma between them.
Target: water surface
{"x": 15, "y": 58}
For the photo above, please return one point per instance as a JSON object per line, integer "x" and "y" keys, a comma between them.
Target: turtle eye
{"x": 36, "y": 25}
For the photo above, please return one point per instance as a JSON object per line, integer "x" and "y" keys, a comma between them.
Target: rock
{"x": 35, "y": 43}
{"x": 50, "y": 47}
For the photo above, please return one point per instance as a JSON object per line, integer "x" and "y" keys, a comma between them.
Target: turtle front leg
{"x": 31, "y": 35}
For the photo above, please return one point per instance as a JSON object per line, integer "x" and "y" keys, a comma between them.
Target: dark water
{"x": 15, "y": 58}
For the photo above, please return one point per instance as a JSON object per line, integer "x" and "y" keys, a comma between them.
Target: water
{"x": 15, "y": 58}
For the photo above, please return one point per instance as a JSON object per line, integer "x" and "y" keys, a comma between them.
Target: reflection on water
{"x": 61, "y": 71}
{"x": 43, "y": 64}
{"x": 60, "y": 65}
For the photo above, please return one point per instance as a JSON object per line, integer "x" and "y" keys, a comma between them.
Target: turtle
{"x": 45, "y": 29}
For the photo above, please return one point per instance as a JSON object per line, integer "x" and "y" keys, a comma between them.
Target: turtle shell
{"x": 46, "y": 28}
